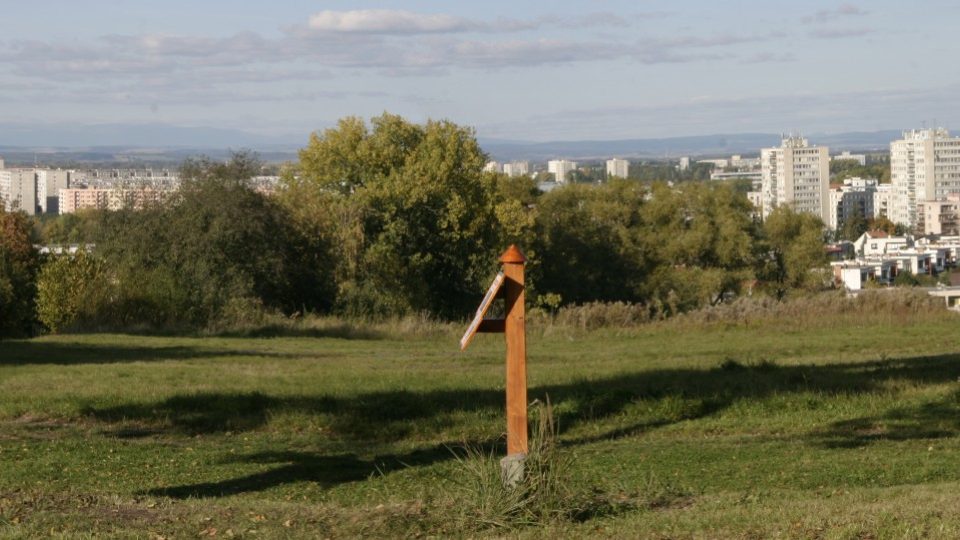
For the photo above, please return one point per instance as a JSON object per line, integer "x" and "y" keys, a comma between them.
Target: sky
{"x": 514, "y": 70}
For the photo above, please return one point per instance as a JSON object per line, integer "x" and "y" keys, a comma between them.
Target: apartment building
{"x": 617, "y": 168}
{"x": 18, "y": 190}
{"x": 560, "y": 169}
{"x": 924, "y": 166}
{"x": 939, "y": 217}
{"x": 883, "y": 201}
{"x": 854, "y": 198}
{"x": 49, "y": 184}
{"x": 798, "y": 175}
{"x": 73, "y": 200}
{"x": 516, "y": 168}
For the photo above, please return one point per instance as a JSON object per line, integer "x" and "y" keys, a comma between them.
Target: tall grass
{"x": 883, "y": 306}
{"x": 542, "y": 495}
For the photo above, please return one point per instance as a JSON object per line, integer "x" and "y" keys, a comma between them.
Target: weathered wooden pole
{"x": 516, "y": 336}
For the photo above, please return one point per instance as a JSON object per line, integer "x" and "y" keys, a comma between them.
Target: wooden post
{"x": 516, "y": 336}
{"x": 509, "y": 285}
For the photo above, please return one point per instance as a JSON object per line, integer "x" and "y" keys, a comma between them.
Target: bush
{"x": 71, "y": 290}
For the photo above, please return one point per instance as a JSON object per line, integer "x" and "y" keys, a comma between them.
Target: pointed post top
{"x": 513, "y": 255}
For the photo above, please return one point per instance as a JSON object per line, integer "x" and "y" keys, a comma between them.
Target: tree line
{"x": 392, "y": 218}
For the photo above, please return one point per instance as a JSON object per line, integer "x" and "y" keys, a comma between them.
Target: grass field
{"x": 848, "y": 427}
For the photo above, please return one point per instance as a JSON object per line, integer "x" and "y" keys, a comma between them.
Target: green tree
{"x": 588, "y": 243}
{"x": 793, "y": 252}
{"x": 218, "y": 243}
{"x": 19, "y": 263}
{"x": 881, "y": 223}
{"x": 906, "y": 279}
{"x": 415, "y": 211}
{"x": 74, "y": 228}
{"x": 702, "y": 239}
{"x": 71, "y": 290}
{"x": 853, "y": 227}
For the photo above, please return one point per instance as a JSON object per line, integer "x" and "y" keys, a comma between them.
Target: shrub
{"x": 71, "y": 289}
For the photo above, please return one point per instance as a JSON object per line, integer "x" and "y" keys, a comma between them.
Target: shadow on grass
{"x": 340, "y": 331}
{"x": 935, "y": 420}
{"x": 669, "y": 395}
{"x": 291, "y": 467}
{"x": 659, "y": 398}
{"x": 18, "y": 353}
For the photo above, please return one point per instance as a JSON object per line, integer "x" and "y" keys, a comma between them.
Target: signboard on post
{"x": 509, "y": 285}
{"x": 482, "y": 311}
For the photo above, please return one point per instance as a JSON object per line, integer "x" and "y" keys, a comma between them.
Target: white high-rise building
{"x": 18, "y": 190}
{"x": 798, "y": 175}
{"x": 855, "y": 197}
{"x": 883, "y": 201}
{"x": 492, "y": 166}
{"x": 560, "y": 169}
{"x": 49, "y": 184}
{"x": 684, "y": 163}
{"x": 618, "y": 168}
{"x": 516, "y": 168}
{"x": 924, "y": 166}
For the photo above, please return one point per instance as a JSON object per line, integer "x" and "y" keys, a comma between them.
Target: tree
{"x": 217, "y": 244}
{"x": 853, "y": 227}
{"x": 881, "y": 223}
{"x": 70, "y": 290}
{"x": 19, "y": 262}
{"x": 906, "y": 279}
{"x": 792, "y": 244}
{"x": 702, "y": 239}
{"x": 588, "y": 243}
{"x": 414, "y": 210}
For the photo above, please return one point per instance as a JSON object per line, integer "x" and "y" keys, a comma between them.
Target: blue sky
{"x": 559, "y": 70}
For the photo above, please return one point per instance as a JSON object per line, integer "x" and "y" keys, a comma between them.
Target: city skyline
{"x": 568, "y": 71}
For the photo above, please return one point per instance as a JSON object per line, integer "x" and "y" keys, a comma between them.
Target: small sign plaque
{"x": 482, "y": 310}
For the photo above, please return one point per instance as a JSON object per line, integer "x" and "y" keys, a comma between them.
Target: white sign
{"x": 482, "y": 311}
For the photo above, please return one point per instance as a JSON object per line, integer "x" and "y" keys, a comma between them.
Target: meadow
{"x": 809, "y": 423}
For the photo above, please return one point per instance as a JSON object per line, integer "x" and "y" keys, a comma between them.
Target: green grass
{"x": 849, "y": 427}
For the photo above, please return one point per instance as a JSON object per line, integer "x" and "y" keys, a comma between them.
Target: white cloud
{"x": 386, "y": 21}
{"x": 840, "y": 33}
{"x": 827, "y": 15}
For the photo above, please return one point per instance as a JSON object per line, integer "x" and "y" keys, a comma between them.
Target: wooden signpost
{"x": 509, "y": 285}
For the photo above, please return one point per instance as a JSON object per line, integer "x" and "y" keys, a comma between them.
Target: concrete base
{"x": 512, "y": 469}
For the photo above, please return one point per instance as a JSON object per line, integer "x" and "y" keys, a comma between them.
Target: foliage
{"x": 905, "y": 278}
{"x": 882, "y": 223}
{"x": 75, "y": 228}
{"x": 793, "y": 247}
{"x": 670, "y": 248}
{"x": 19, "y": 263}
{"x": 588, "y": 243}
{"x": 841, "y": 169}
{"x": 854, "y": 227}
{"x": 416, "y": 213}
{"x": 703, "y": 241}
{"x": 71, "y": 290}
{"x": 184, "y": 262}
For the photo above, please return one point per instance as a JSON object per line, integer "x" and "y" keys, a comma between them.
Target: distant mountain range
{"x": 162, "y": 142}
{"x": 698, "y": 145}
{"x": 74, "y": 136}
